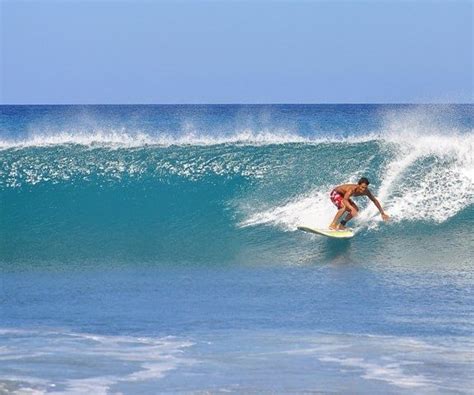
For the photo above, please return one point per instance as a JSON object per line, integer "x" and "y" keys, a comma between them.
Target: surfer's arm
{"x": 378, "y": 205}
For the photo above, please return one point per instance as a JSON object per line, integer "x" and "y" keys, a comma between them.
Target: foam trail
{"x": 311, "y": 210}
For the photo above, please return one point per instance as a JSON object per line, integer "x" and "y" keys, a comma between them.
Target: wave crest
{"x": 121, "y": 138}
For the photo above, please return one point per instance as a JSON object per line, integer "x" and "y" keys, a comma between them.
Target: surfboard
{"x": 337, "y": 234}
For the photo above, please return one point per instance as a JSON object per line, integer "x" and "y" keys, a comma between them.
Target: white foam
{"x": 312, "y": 209}
{"x": 433, "y": 191}
{"x": 397, "y": 361}
{"x": 389, "y": 372}
{"x": 113, "y": 138}
{"x": 145, "y": 358}
{"x": 433, "y": 365}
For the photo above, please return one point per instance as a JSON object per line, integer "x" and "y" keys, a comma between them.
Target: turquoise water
{"x": 150, "y": 249}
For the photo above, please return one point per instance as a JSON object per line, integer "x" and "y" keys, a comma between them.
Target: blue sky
{"x": 74, "y": 51}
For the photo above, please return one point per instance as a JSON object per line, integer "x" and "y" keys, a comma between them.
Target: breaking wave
{"x": 152, "y": 192}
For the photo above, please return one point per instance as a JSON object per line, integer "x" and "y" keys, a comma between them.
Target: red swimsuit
{"x": 337, "y": 198}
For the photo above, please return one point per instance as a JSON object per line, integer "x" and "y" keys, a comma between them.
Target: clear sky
{"x": 256, "y": 51}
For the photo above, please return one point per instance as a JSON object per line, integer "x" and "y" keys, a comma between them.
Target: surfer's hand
{"x": 354, "y": 212}
{"x": 385, "y": 217}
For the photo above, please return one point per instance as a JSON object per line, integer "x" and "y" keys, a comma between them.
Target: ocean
{"x": 153, "y": 249}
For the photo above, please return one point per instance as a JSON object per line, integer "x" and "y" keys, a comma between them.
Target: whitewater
{"x": 158, "y": 245}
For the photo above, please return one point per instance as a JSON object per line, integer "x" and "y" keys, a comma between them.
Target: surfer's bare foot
{"x": 333, "y": 227}
{"x": 341, "y": 227}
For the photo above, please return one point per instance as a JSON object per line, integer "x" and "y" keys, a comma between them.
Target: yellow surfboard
{"x": 337, "y": 234}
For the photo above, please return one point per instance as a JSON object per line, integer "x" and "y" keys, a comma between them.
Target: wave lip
{"x": 126, "y": 139}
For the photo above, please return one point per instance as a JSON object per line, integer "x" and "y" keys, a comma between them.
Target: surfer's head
{"x": 363, "y": 184}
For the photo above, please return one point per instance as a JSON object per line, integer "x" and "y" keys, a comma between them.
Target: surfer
{"x": 340, "y": 196}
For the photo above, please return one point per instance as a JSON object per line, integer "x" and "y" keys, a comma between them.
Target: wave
{"x": 416, "y": 177}
{"x": 146, "y": 192}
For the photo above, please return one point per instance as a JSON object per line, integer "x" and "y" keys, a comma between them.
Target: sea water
{"x": 151, "y": 249}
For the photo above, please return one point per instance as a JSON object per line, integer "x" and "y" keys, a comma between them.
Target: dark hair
{"x": 363, "y": 180}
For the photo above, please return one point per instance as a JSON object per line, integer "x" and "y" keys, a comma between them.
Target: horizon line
{"x": 236, "y": 104}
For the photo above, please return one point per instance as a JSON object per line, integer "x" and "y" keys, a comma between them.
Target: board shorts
{"x": 337, "y": 198}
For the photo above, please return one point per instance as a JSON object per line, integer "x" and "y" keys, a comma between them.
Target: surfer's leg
{"x": 354, "y": 205}
{"x": 349, "y": 216}
{"x": 337, "y": 200}
{"x": 336, "y": 219}
{"x": 343, "y": 223}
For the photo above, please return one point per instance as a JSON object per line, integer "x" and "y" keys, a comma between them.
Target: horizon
{"x": 246, "y": 104}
